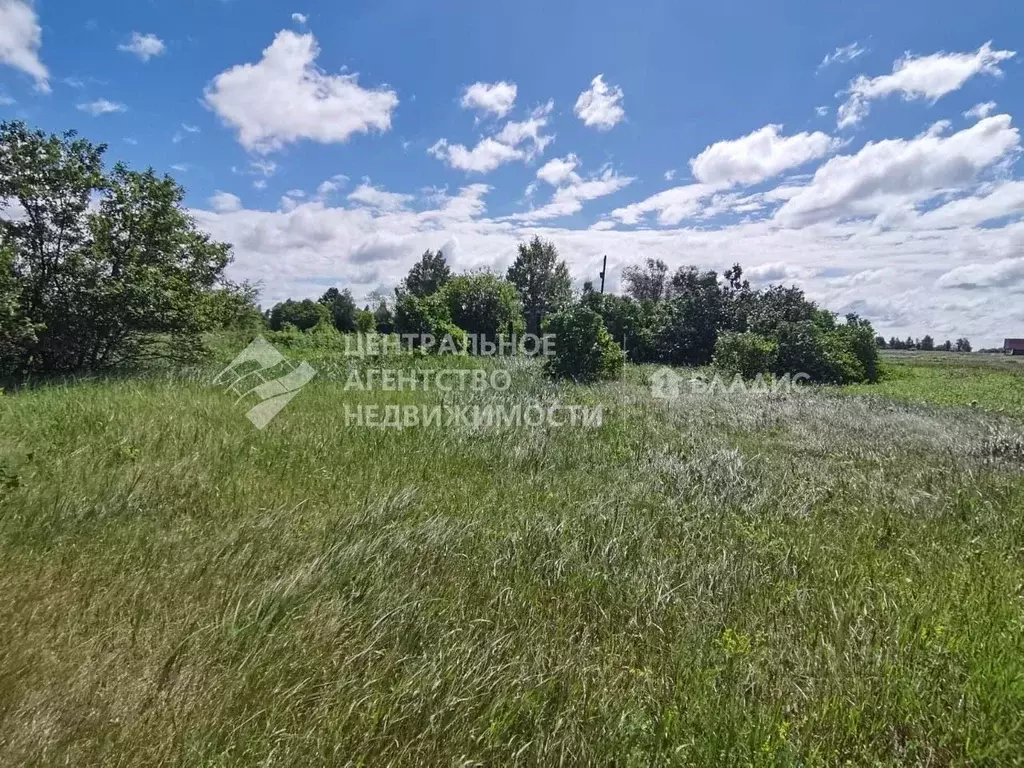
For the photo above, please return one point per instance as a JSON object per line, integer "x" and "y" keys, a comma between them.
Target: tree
{"x": 880, "y": 342}
{"x": 108, "y": 268}
{"x": 647, "y": 282}
{"x": 16, "y": 332}
{"x": 963, "y": 345}
{"x": 584, "y": 350}
{"x": 342, "y": 308}
{"x": 927, "y": 343}
{"x": 543, "y": 282}
{"x": 692, "y": 318}
{"x": 304, "y": 315}
{"x": 483, "y": 305}
{"x": 947, "y": 346}
{"x": 383, "y": 319}
{"x": 428, "y": 275}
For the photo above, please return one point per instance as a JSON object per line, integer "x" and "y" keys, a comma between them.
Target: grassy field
{"x": 814, "y": 578}
{"x": 991, "y": 382}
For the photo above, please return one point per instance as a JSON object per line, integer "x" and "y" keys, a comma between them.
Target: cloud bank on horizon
{"x": 905, "y": 207}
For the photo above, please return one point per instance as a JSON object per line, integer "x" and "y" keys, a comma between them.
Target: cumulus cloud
{"x": 559, "y": 170}
{"x": 759, "y": 156}
{"x": 144, "y": 46}
{"x": 600, "y": 106}
{"x": 285, "y": 98}
{"x": 843, "y": 55}
{"x": 920, "y": 77}
{"x": 374, "y": 197}
{"x": 102, "y": 107}
{"x": 574, "y": 191}
{"x": 981, "y": 111}
{"x": 225, "y": 202}
{"x": 490, "y": 98}
{"x": 21, "y": 37}
{"x": 900, "y": 172}
{"x": 515, "y": 141}
{"x": 1005, "y": 273}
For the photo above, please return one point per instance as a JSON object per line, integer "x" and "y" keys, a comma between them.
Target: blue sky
{"x": 829, "y": 145}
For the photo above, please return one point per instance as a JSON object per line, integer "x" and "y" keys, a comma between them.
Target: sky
{"x": 866, "y": 152}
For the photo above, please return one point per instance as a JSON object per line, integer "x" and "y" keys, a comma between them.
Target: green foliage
{"x": 366, "y": 322}
{"x": 303, "y": 315}
{"x": 233, "y": 307}
{"x": 747, "y": 354}
{"x": 342, "y": 309}
{"x": 648, "y": 282}
{"x": 427, "y": 276}
{"x": 482, "y": 304}
{"x": 420, "y": 316}
{"x": 584, "y": 350}
{"x": 543, "y": 282}
{"x": 692, "y": 319}
{"x": 123, "y": 283}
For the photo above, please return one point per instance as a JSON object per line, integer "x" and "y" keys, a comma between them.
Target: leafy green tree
{"x": 963, "y": 345}
{"x": 342, "y": 308}
{"x": 428, "y": 275}
{"x": 584, "y": 350}
{"x": 483, "y": 304}
{"x": 947, "y": 346}
{"x": 542, "y": 280}
{"x": 304, "y": 315}
{"x": 365, "y": 321}
{"x": 233, "y": 307}
{"x": 927, "y": 343}
{"x": 125, "y": 282}
{"x": 16, "y": 332}
{"x": 692, "y": 319}
{"x": 746, "y": 354}
{"x": 647, "y": 282}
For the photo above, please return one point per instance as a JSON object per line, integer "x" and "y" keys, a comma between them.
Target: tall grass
{"x": 745, "y": 580}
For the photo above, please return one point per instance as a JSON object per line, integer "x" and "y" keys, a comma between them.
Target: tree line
{"x": 925, "y": 344}
{"x": 105, "y": 268}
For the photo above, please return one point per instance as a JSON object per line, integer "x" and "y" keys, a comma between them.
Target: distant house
{"x": 1013, "y": 346}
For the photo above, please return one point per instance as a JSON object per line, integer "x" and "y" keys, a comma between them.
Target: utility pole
{"x": 604, "y": 268}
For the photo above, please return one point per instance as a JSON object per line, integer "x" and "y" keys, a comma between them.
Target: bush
{"x": 584, "y": 350}
{"x": 428, "y": 316}
{"x": 746, "y": 354}
{"x": 483, "y": 305}
{"x": 303, "y": 315}
{"x": 365, "y": 321}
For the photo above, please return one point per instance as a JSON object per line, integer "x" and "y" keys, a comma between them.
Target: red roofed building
{"x": 1013, "y": 346}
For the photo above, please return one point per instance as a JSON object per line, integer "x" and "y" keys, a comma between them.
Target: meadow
{"x": 817, "y": 578}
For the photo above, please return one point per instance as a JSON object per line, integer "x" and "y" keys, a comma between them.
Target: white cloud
{"x": 672, "y": 205}
{"x": 569, "y": 199}
{"x": 20, "y": 40}
{"x": 920, "y": 77}
{"x": 487, "y": 155}
{"x": 669, "y": 175}
{"x": 504, "y": 147}
{"x": 759, "y": 156}
{"x": 144, "y": 46}
{"x": 380, "y": 199}
{"x": 843, "y": 55}
{"x": 600, "y": 106}
{"x": 102, "y": 107}
{"x": 225, "y": 202}
{"x": 821, "y": 111}
{"x": 300, "y": 18}
{"x": 328, "y": 187}
{"x": 190, "y": 128}
{"x": 990, "y": 202}
{"x": 493, "y": 98}
{"x": 559, "y": 170}
{"x": 981, "y": 111}
{"x": 285, "y": 98}
{"x": 1005, "y": 273}
{"x": 260, "y": 184}
{"x": 900, "y": 172}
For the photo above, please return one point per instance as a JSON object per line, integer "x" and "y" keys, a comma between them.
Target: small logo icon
{"x": 252, "y": 373}
{"x": 666, "y": 384}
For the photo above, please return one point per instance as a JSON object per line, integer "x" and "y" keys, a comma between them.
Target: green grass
{"x": 808, "y": 579}
{"x": 991, "y": 382}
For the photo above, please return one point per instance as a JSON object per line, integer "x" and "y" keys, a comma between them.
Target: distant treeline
{"x": 925, "y": 344}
